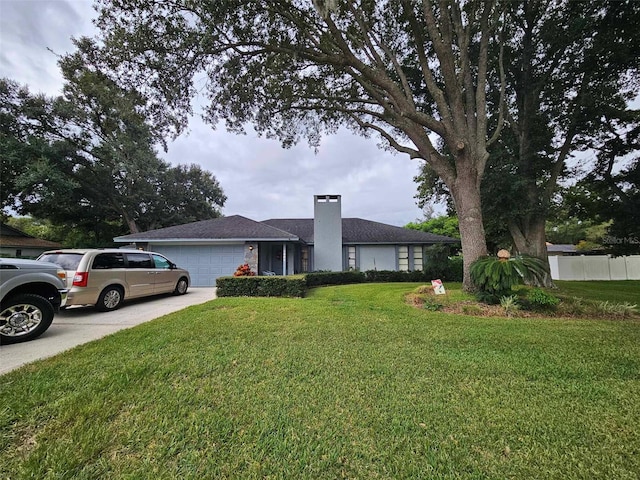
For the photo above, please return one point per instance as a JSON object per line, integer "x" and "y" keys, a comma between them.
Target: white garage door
{"x": 205, "y": 263}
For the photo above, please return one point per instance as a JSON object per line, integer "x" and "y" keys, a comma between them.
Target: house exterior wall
{"x": 327, "y": 233}
{"x": 251, "y": 252}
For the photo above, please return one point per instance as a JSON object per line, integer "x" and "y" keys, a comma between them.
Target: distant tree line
{"x": 87, "y": 162}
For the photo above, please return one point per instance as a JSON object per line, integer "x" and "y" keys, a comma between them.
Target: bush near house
{"x": 439, "y": 263}
{"x": 269, "y": 286}
{"x": 244, "y": 271}
{"x": 315, "y": 279}
{"x": 395, "y": 276}
{"x": 291, "y": 286}
{"x": 447, "y": 269}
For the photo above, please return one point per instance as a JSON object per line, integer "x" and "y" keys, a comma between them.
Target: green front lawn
{"x": 619, "y": 291}
{"x": 348, "y": 383}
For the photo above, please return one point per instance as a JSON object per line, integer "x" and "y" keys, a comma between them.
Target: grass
{"x": 612, "y": 291}
{"x": 348, "y": 383}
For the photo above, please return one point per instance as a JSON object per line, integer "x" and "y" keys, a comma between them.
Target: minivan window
{"x": 161, "y": 262}
{"x": 139, "y": 260}
{"x": 68, "y": 261}
{"x": 108, "y": 260}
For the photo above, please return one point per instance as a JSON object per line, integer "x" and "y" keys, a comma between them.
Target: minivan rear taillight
{"x": 80, "y": 279}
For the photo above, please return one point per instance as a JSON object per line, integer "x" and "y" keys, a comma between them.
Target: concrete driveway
{"x": 78, "y": 325}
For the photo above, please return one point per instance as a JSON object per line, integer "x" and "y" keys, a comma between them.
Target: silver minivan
{"x": 106, "y": 277}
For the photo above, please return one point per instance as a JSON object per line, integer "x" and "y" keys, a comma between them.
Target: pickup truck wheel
{"x": 24, "y": 317}
{"x": 110, "y": 299}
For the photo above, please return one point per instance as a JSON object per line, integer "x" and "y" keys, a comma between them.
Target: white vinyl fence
{"x": 595, "y": 267}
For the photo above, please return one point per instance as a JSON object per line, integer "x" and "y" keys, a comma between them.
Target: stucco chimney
{"x": 327, "y": 233}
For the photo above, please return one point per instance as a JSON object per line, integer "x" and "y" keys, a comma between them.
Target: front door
{"x": 270, "y": 258}
{"x": 276, "y": 258}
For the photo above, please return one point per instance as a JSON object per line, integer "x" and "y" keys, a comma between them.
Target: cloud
{"x": 33, "y": 33}
{"x": 260, "y": 178}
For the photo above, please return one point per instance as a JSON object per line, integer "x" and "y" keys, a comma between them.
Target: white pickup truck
{"x": 30, "y": 294}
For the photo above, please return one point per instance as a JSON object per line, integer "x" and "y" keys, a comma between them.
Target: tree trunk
{"x": 131, "y": 223}
{"x": 533, "y": 241}
{"x": 466, "y": 196}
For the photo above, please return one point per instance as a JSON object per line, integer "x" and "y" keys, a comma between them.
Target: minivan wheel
{"x": 110, "y": 299}
{"x": 24, "y": 317}
{"x": 181, "y": 286}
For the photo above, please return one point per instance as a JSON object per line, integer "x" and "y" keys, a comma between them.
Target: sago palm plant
{"x": 496, "y": 277}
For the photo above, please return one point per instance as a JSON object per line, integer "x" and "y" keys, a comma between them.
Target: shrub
{"x": 488, "y": 298}
{"x": 497, "y": 277}
{"x": 538, "y": 299}
{"x": 432, "y": 305}
{"x": 510, "y": 304}
{"x": 244, "y": 271}
{"x": 456, "y": 265}
{"x": 439, "y": 264}
{"x": 315, "y": 279}
{"x": 616, "y": 310}
{"x": 394, "y": 276}
{"x": 292, "y": 286}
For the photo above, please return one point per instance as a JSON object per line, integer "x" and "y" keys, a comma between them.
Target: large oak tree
{"x": 87, "y": 159}
{"x": 407, "y": 71}
{"x": 574, "y": 68}
{"x": 571, "y": 69}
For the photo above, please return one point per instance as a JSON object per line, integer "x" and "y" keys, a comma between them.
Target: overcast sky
{"x": 261, "y": 179}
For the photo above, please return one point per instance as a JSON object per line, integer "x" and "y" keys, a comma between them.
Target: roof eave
{"x": 398, "y": 242}
{"x": 212, "y": 240}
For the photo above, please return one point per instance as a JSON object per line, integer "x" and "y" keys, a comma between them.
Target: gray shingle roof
{"x": 12, "y": 237}
{"x": 234, "y": 227}
{"x": 360, "y": 231}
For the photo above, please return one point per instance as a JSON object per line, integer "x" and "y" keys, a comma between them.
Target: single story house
{"x": 213, "y": 248}
{"x": 15, "y": 243}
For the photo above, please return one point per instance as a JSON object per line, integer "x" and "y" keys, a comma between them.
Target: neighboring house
{"x": 561, "y": 249}
{"x": 213, "y": 248}
{"x": 15, "y": 243}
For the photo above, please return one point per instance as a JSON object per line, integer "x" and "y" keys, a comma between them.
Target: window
{"x": 139, "y": 260}
{"x": 403, "y": 258}
{"x": 161, "y": 262}
{"x": 68, "y": 261}
{"x": 108, "y": 260}
{"x": 417, "y": 257}
{"x": 304, "y": 258}
{"x": 351, "y": 264}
